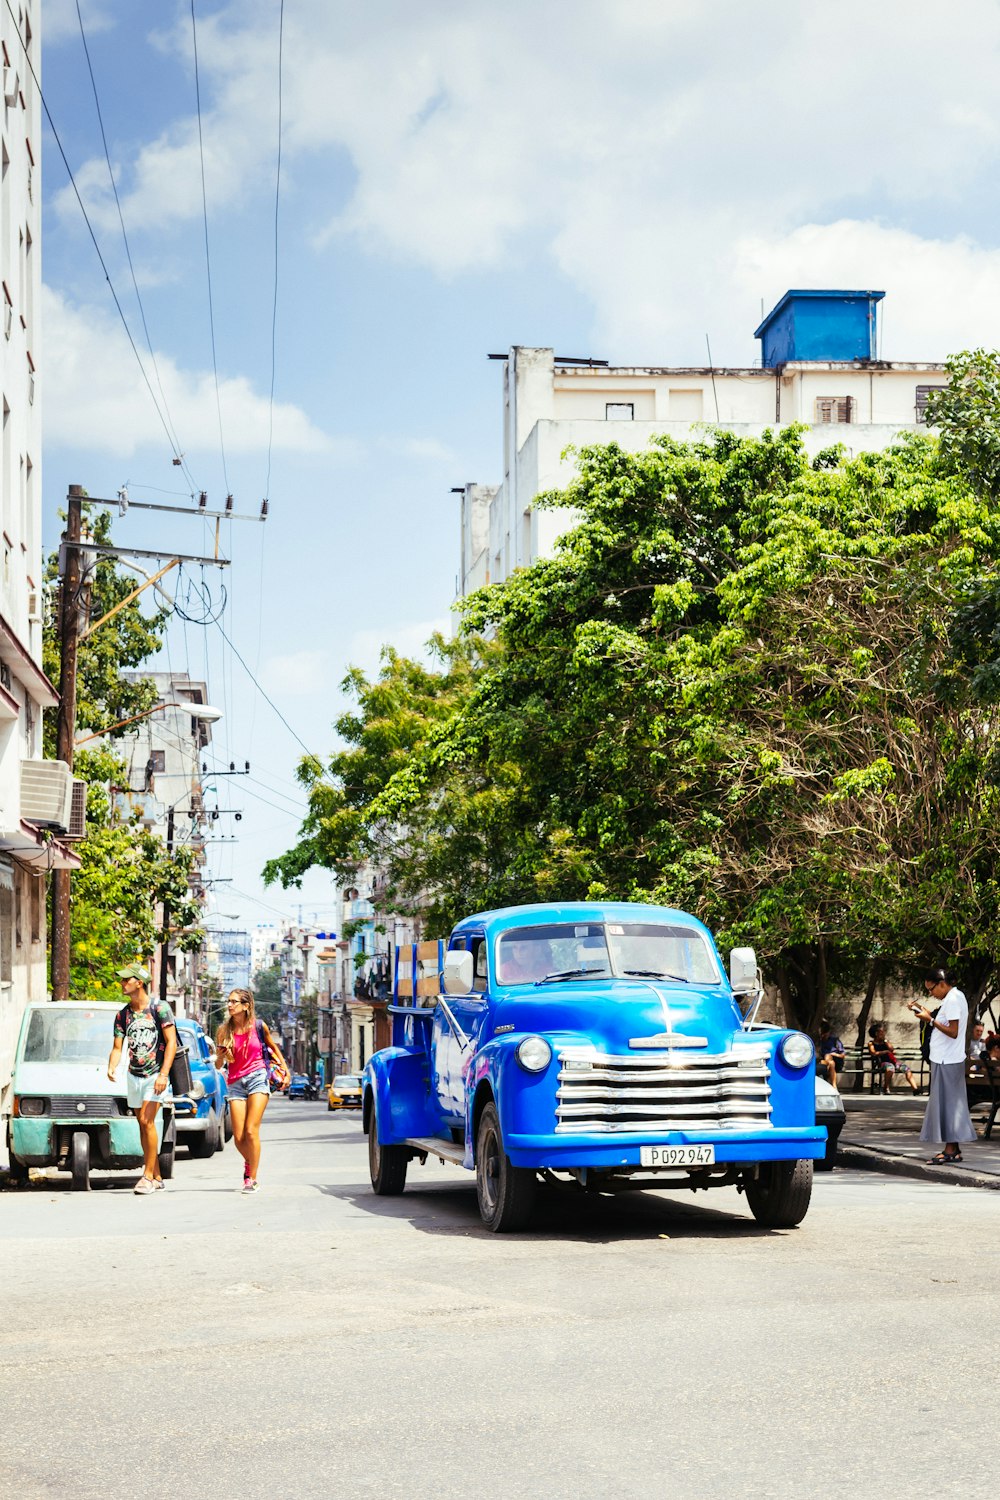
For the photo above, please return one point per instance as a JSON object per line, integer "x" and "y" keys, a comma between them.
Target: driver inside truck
{"x": 523, "y": 961}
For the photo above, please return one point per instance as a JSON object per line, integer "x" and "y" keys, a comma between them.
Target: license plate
{"x": 677, "y": 1156}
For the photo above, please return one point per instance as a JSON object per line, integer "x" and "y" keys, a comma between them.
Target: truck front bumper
{"x": 561, "y": 1152}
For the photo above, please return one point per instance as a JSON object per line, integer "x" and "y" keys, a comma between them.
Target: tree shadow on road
{"x": 561, "y": 1213}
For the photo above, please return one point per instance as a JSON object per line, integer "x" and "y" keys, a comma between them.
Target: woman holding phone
{"x": 246, "y": 1047}
{"x": 947, "y": 1118}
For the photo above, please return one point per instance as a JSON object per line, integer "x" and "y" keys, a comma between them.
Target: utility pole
{"x": 165, "y": 945}
{"x": 69, "y": 636}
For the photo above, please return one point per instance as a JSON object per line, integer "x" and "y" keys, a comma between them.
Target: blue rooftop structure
{"x": 820, "y": 325}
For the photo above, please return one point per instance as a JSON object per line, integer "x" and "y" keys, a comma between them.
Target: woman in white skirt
{"x": 947, "y": 1118}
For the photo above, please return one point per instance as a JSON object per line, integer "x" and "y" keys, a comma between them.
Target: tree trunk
{"x": 874, "y": 979}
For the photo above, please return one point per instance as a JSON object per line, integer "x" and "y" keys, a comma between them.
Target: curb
{"x": 867, "y": 1159}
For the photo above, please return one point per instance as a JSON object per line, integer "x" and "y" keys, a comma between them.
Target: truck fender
{"x": 397, "y": 1095}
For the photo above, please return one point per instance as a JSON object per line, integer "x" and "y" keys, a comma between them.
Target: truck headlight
{"x": 796, "y": 1050}
{"x": 30, "y": 1107}
{"x": 534, "y": 1054}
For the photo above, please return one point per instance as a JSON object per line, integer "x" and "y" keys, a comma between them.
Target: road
{"x": 317, "y": 1341}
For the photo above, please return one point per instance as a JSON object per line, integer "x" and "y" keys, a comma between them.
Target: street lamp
{"x": 202, "y": 711}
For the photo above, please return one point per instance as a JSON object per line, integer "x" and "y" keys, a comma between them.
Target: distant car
{"x": 830, "y": 1112}
{"x": 203, "y": 1116}
{"x": 345, "y": 1092}
{"x": 62, "y": 1108}
{"x": 298, "y": 1088}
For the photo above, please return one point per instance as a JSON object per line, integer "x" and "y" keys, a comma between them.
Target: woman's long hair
{"x": 224, "y": 1035}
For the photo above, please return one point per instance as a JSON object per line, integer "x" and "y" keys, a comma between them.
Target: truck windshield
{"x": 574, "y": 950}
{"x": 83, "y": 1036}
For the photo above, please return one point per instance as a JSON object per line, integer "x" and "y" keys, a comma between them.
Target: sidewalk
{"x": 881, "y": 1133}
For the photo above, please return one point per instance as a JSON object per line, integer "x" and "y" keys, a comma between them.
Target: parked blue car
{"x": 203, "y": 1116}
{"x": 598, "y": 1041}
{"x": 299, "y": 1087}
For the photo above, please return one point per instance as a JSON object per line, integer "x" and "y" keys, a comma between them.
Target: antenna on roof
{"x": 711, "y": 368}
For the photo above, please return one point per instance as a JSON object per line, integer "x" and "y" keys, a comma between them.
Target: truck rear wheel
{"x": 79, "y": 1161}
{"x": 779, "y": 1194}
{"x": 506, "y": 1193}
{"x": 386, "y": 1164}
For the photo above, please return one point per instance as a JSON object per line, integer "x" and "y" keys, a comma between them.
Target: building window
{"x": 619, "y": 411}
{"x": 37, "y": 905}
{"x": 837, "y": 409}
{"x": 6, "y": 926}
{"x": 923, "y": 391}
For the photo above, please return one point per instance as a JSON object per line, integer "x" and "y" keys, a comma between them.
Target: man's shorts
{"x": 141, "y": 1089}
{"x": 250, "y": 1083}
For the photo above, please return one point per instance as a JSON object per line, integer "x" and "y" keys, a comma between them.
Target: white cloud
{"x": 297, "y": 673}
{"x": 676, "y": 162}
{"x": 59, "y": 20}
{"x": 95, "y": 396}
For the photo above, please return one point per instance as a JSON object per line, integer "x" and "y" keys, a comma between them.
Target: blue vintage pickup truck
{"x": 602, "y": 1041}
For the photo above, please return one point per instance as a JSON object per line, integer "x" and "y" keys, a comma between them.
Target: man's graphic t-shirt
{"x": 143, "y": 1037}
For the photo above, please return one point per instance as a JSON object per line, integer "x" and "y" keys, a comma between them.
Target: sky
{"x": 456, "y": 177}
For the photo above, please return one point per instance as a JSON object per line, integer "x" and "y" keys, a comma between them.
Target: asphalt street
{"x": 316, "y": 1341}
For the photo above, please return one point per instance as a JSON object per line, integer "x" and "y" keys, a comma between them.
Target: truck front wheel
{"x": 79, "y": 1161}
{"x": 506, "y": 1194}
{"x": 386, "y": 1164}
{"x": 779, "y": 1194}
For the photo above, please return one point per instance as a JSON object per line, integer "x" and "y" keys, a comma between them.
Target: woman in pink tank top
{"x": 245, "y": 1048}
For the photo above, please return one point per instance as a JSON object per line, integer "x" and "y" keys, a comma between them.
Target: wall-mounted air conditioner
{"x": 78, "y": 812}
{"x": 34, "y": 607}
{"x": 47, "y": 793}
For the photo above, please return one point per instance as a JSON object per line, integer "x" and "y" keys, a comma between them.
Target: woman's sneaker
{"x": 249, "y": 1186}
{"x": 145, "y": 1185}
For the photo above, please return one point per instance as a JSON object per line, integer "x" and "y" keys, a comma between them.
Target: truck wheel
{"x": 17, "y": 1171}
{"x": 79, "y": 1161}
{"x": 506, "y": 1194}
{"x": 779, "y": 1195}
{"x": 386, "y": 1164}
{"x": 168, "y": 1148}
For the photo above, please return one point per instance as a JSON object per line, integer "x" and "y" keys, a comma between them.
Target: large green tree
{"x": 732, "y": 689}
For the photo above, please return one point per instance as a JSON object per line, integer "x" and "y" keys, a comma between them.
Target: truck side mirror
{"x": 743, "y": 971}
{"x": 456, "y": 977}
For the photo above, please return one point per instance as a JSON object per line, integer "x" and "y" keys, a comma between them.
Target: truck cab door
{"x": 456, "y": 1029}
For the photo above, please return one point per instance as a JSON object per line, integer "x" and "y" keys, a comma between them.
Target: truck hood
{"x": 66, "y": 1078}
{"x": 617, "y": 1012}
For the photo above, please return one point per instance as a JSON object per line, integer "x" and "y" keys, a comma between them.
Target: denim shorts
{"x": 251, "y": 1083}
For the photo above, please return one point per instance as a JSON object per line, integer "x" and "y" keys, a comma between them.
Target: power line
{"x": 277, "y": 195}
{"x": 128, "y": 252}
{"x": 208, "y": 258}
{"x": 269, "y": 701}
{"x": 90, "y": 227}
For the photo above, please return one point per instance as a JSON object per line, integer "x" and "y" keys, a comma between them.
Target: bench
{"x": 860, "y": 1066}
{"x": 982, "y": 1085}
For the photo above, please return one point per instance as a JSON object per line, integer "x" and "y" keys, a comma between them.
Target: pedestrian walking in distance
{"x": 947, "y": 1118}
{"x": 246, "y": 1050}
{"x": 147, "y": 1029}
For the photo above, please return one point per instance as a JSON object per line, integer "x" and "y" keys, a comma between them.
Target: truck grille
{"x": 599, "y": 1093}
{"x": 95, "y": 1106}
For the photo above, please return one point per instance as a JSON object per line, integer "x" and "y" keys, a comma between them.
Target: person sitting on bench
{"x": 885, "y": 1059}
{"x": 830, "y": 1052}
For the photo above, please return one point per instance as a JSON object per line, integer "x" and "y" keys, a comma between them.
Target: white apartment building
{"x": 818, "y": 366}
{"x": 264, "y": 940}
{"x": 35, "y": 795}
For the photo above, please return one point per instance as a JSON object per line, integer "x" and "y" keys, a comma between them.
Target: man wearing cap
{"x": 147, "y": 1027}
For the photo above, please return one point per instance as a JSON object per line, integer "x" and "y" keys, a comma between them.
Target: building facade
{"x": 35, "y": 795}
{"x": 818, "y": 367}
